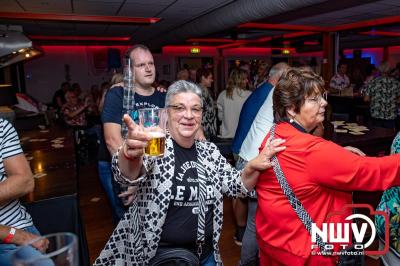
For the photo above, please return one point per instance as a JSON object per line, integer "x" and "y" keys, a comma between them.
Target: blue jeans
{"x": 249, "y": 250}
{"x": 105, "y": 174}
{"x": 209, "y": 261}
{"x": 7, "y": 250}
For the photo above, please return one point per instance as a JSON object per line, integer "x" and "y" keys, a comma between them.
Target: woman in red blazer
{"x": 321, "y": 174}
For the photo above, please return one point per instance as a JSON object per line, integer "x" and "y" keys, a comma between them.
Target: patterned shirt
{"x": 339, "y": 82}
{"x": 79, "y": 119}
{"x": 390, "y": 203}
{"x": 383, "y": 93}
{"x": 12, "y": 213}
{"x": 209, "y": 119}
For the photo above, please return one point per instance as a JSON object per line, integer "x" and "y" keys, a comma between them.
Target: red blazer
{"x": 322, "y": 175}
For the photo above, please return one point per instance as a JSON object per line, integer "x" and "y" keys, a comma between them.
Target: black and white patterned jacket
{"x": 136, "y": 237}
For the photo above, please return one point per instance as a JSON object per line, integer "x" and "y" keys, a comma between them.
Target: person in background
{"x": 261, "y": 77}
{"x": 320, "y": 182}
{"x": 249, "y": 149}
{"x": 192, "y": 74}
{"x": 168, "y": 212}
{"x": 78, "y": 91}
{"x": 230, "y": 102}
{"x": 390, "y": 204}
{"x": 340, "y": 80}
{"x": 183, "y": 74}
{"x": 395, "y": 73}
{"x": 105, "y": 86}
{"x": 145, "y": 96}
{"x": 73, "y": 110}
{"x": 16, "y": 180}
{"x": 92, "y": 98}
{"x": 104, "y": 161}
{"x": 204, "y": 79}
{"x": 59, "y": 98}
{"x": 383, "y": 94}
{"x": 164, "y": 84}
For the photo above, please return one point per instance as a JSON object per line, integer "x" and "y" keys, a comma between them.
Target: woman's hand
{"x": 200, "y": 135}
{"x": 136, "y": 140}
{"x": 355, "y": 150}
{"x": 261, "y": 162}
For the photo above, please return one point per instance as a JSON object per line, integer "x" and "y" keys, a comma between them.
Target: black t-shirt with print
{"x": 180, "y": 227}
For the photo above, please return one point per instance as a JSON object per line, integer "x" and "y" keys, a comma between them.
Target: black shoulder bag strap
{"x": 303, "y": 215}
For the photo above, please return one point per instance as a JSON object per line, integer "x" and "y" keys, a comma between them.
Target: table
{"x": 58, "y": 164}
{"x": 375, "y": 142}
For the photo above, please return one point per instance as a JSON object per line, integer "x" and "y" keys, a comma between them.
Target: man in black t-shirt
{"x": 146, "y": 96}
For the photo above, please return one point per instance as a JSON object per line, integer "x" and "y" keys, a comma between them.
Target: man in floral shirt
{"x": 340, "y": 80}
{"x": 383, "y": 94}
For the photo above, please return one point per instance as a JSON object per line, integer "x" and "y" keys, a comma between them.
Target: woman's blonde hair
{"x": 117, "y": 78}
{"x": 237, "y": 79}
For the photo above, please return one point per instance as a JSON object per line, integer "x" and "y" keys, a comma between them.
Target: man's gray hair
{"x": 182, "y": 86}
{"x": 277, "y": 70}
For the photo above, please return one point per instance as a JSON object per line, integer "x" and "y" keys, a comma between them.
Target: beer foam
{"x": 156, "y": 134}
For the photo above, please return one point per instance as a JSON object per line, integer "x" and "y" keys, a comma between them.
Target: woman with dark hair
{"x": 317, "y": 176}
{"x": 204, "y": 79}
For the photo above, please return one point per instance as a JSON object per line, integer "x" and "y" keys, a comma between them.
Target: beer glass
{"x": 154, "y": 122}
{"x": 62, "y": 250}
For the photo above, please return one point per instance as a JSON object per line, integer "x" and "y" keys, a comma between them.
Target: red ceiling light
{"x": 311, "y": 43}
{"x": 298, "y": 34}
{"x": 381, "y": 33}
{"x": 78, "y": 38}
{"x": 77, "y": 18}
{"x": 210, "y": 40}
{"x": 268, "y": 26}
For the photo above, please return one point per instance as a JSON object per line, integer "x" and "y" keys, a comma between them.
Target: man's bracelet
{"x": 10, "y": 236}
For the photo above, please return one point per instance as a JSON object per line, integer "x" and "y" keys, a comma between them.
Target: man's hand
{"x": 161, "y": 89}
{"x": 120, "y": 84}
{"x": 22, "y": 237}
{"x": 136, "y": 139}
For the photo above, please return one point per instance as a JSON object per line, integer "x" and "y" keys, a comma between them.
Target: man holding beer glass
{"x": 179, "y": 197}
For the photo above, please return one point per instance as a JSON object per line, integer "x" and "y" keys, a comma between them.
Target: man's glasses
{"x": 181, "y": 109}
{"x": 318, "y": 98}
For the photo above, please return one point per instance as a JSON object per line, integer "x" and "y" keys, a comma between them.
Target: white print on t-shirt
{"x": 180, "y": 191}
{"x": 140, "y": 105}
{"x": 184, "y": 167}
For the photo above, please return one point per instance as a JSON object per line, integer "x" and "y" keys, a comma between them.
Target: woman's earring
{"x": 291, "y": 120}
